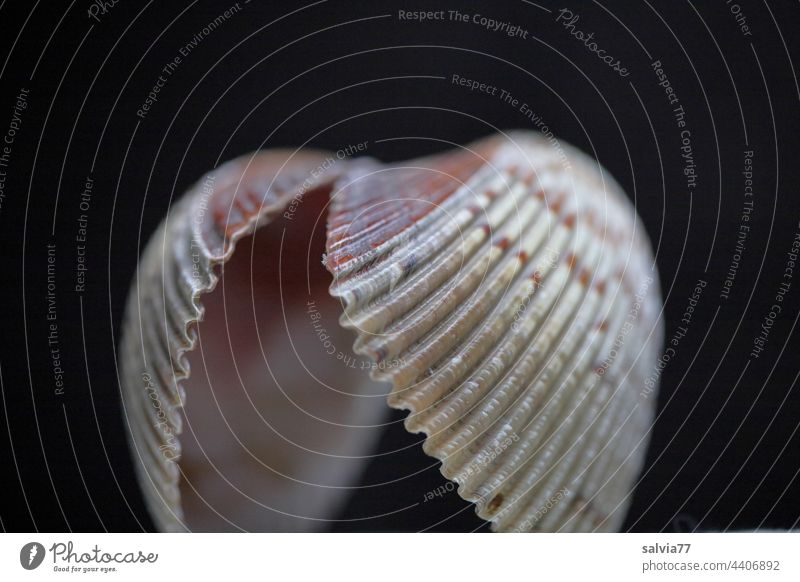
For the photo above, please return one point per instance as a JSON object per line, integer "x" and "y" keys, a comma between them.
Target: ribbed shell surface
{"x": 506, "y": 292}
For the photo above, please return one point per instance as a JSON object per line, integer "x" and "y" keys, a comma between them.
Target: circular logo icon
{"x": 31, "y": 555}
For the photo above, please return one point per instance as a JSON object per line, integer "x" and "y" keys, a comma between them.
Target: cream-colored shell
{"x": 506, "y": 291}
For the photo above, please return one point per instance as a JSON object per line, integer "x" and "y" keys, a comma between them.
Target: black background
{"x": 724, "y": 451}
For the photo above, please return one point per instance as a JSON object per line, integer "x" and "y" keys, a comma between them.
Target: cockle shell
{"x": 504, "y": 291}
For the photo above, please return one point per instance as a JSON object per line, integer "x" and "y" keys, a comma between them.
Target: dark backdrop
{"x": 725, "y": 449}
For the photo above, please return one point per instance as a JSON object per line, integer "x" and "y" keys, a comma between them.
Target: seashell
{"x": 504, "y": 294}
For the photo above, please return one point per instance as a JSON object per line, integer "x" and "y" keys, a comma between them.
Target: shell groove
{"x": 506, "y": 291}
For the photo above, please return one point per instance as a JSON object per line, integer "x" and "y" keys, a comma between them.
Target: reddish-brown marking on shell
{"x": 570, "y": 260}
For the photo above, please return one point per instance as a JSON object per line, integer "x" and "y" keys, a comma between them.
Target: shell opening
{"x": 278, "y": 415}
